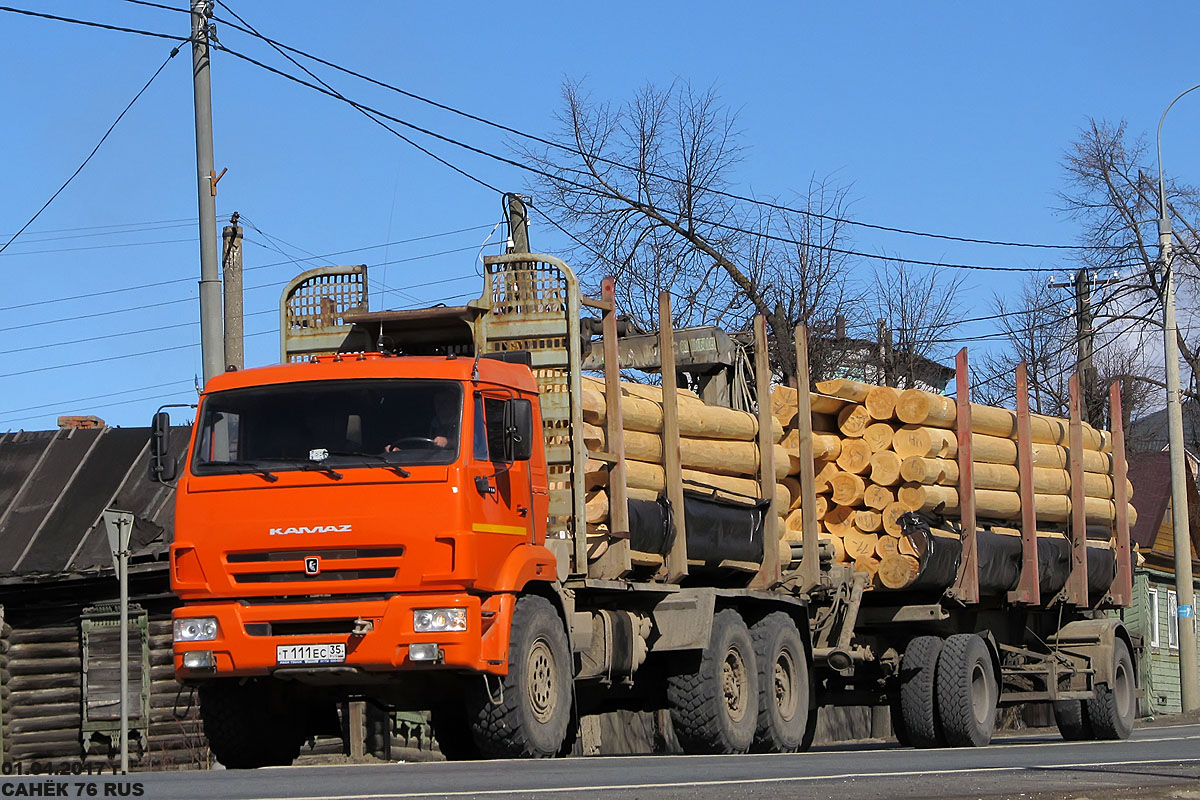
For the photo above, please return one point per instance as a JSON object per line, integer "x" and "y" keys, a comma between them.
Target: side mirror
{"x": 518, "y": 429}
{"x": 162, "y": 466}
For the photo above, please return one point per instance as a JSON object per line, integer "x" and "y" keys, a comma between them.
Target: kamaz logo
{"x": 311, "y": 529}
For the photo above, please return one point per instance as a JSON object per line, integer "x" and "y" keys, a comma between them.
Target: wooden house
{"x": 1153, "y": 613}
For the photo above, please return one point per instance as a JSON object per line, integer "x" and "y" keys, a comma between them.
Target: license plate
{"x": 310, "y": 653}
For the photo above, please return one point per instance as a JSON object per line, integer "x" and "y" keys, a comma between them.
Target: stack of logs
{"x": 718, "y": 449}
{"x": 880, "y": 452}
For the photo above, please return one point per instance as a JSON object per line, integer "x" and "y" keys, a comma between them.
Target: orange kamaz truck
{"x": 399, "y": 513}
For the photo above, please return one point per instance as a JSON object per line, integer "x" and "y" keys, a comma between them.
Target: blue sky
{"x": 945, "y": 117}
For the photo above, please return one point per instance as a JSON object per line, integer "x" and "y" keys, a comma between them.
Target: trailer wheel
{"x": 783, "y": 684}
{"x": 534, "y": 708}
{"x": 241, "y": 728}
{"x": 1072, "y": 720}
{"x": 714, "y": 702}
{"x": 918, "y": 721}
{"x": 1112, "y": 709}
{"x": 967, "y": 693}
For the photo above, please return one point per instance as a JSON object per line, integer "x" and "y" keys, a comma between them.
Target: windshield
{"x": 345, "y": 423}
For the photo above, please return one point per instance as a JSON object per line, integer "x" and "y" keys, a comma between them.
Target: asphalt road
{"x": 1157, "y": 762}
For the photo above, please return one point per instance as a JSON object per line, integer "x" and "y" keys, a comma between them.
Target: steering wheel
{"x": 422, "y": 440}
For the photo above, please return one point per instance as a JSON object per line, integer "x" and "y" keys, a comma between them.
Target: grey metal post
{"x": 212, "y": 351}
{"x": 123, "y": 577}
{"x": 1189, "y": 686}
{"x": 231, "y": 274}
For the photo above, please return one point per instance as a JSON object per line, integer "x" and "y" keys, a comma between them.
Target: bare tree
{"x": 643, "y": 187}
{"x": 1112, "y": 191}
{"x": 916, "y": 311}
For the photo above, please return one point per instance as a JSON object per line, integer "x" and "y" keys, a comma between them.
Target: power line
{"x": 114, "y": 225}
{"x": 89, "y": 295}
{"x": 174, "y": 52}
{"x": 90, "y": 24}
{"x": 94, "y": 247}
{"x": 28, "y": 240}
{"x": 86, "y": 399}
{"x": 97, "y": 408}
{"x": 638, "y": 206}
{"x": 279, "y": 46}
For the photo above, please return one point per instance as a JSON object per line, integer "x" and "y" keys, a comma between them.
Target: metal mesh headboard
{"x": 533, "y": 305}
{"x": 311, "y": 309}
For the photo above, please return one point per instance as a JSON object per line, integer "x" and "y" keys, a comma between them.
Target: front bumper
{"x": 249, "y": 633}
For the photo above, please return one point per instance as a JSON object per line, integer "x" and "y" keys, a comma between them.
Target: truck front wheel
{"x": 526, "y": 713}
{"x": 783, "y": 684}
{"x": 248, "y": 724}
{"x": 714, "y": 701}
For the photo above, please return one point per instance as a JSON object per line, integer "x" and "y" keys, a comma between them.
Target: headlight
{"x": 196, "y": 629}
{"x": 430, "y": 620}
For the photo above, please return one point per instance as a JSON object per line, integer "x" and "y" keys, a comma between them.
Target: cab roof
{"x": 350, "y": 366}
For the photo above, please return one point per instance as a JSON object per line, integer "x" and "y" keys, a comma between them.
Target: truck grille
{"x": 298, "y": 555}
{"x": 332, "y": 575}
{"x": 320, "y": 627}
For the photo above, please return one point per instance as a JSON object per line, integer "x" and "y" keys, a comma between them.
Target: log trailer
{"x": 399, "y": 513}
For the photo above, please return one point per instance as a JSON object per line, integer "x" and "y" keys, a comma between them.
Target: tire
{"x": 452, "y": 730}
{"x": 918, "y": 693}
{"x": 898, "y": 728}
{"x": 535, "y": 710}
{"x": 1072, "y": 720}
{"x": 967, "y": 693}
{"x": 783, "y": 685}
{"x": 1111, "y": 710}
{"x": 246, "y": 725}
{"x": 714, "y": 702}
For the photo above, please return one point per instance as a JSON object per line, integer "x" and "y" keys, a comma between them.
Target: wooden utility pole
{"x": 232, "y": 275}
{"x": 518, "y": 224}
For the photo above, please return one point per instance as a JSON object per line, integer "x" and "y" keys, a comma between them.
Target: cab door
{"x": 501, "y": 487}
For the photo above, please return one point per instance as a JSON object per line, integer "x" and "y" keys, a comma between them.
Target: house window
{"x": 1172, "y": 621}
{"x": 1153, "y": 612}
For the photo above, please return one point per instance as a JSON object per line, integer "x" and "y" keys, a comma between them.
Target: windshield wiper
{"x": 381, "y": 460}
{"x": 317, "y": 466}
{"x": 251, "y": 467}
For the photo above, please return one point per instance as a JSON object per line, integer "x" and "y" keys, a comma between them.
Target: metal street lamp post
{"x": 1189, "y": 689}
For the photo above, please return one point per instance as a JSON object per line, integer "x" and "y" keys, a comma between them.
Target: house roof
{"x": 1150, "y": 474}
{"x": 1149, "y": 433}
{"x": 54, "y": 485}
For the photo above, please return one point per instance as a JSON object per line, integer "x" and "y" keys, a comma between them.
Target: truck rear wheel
{"x": 967, "y": 693}
{"x": 1110, "y": 712}
{"x": 918, "y": 722}
{"x": 452, "y": 730}
{"x": 248, "y": 725}
{"x": 783, "y": 684}
{"x": 714, "y": 702}
{"x": 534, "y": 708}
